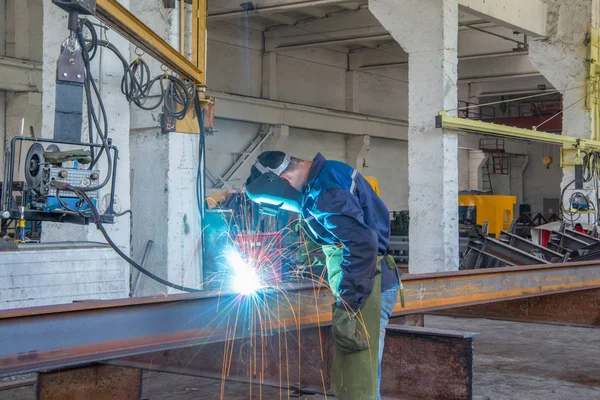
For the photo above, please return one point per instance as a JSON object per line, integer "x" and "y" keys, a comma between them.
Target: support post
{"x": 99, "y": 382}
{"x": 356, "y": 151}
{"x": 270, "y": 90}
{"x": 476, "y": 160}
{"x": 561, "y": 58}
{"x": 352, "y": 91}
{"x": 278, "y": 138}
{"x": 428, "y": 31}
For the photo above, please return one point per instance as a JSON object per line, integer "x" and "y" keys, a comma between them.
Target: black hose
{"x": 97, "y": 219}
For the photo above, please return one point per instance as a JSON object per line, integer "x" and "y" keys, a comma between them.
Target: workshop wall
{"x": 387, "y": 160}
{"x": 234, "y": 59}
{"x": 541, "y": 182}
{"x": 315, "y": 77}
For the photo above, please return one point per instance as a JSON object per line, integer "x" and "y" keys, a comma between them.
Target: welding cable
{"x": 200, "y": 191}
{"x": 89, "y": 86}
{"x": 138, "y": 90}
{"x": 98, "y": 221}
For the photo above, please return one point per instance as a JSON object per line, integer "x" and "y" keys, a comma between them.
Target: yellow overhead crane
{"x": 571, "y": 146}
{"x": 123, "y": 21}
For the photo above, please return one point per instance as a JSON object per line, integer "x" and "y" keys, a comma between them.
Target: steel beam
{"x": 418, "y": 362}
{"x": 480, "y": 127}
{"x": 576, "y": 308}
{"x": 135, "y": 31}
{"x": 528, "y": 246}
{"x": 74, "y": 334}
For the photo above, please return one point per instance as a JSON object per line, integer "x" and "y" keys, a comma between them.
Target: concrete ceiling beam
{"x": 314, "y": 12}
{"x": 529, "y": 17}
{"x": 20, "y": 75}
{"x": 282, "y": 19}
{"x": 288, "y": 6}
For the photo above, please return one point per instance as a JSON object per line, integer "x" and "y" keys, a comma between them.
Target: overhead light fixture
{"x": 248, "y": 6}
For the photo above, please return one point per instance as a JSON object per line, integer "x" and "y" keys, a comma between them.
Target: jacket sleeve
{"x": 340, "y": 213}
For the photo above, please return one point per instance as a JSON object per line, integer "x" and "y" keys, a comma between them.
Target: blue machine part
{"x": 52, "y": 204}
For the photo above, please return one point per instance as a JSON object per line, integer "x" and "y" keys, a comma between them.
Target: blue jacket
{"x": 341, "y": 208}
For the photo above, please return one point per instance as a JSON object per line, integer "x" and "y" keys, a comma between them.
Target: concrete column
{"x": 428, "y": 32}
{"x": 117, "y": 109}
{"x": 270, "y": 90}
{"x": 356, "y": 151}
{"x": 164, "y": 171}
{"x": 518, "y": 163}
{"x": 476, "y": 160}
{"x": 277, "y": 139}
{"x": 352, "y": 91}
{"x": 561, "y": 58}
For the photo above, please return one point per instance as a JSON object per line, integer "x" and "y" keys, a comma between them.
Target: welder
{"x": 352, "y": 224}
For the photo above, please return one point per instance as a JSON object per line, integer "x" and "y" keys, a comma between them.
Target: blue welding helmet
{"x": 266, "y": 188}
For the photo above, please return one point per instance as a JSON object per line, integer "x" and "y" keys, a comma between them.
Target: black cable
{"x": 124, "y": 213}
{"x": 89, "y": 86}
{"x": 201, "y": 155}
{"x": 98, "y": 220}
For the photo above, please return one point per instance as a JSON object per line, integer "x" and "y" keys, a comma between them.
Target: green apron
{"x": 354, "y": 376}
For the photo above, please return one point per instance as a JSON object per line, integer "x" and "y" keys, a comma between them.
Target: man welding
{"x": 344, "y": 215}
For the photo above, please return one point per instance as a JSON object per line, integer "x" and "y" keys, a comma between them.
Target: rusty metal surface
{"x": 74, "y": 334}
{"x": 428, "y": 364}
{"x": 409, "y": 320}
{"x": 100, "y": 382}
{"x": 576, "y": 308}
{"x": 419, "y": 363}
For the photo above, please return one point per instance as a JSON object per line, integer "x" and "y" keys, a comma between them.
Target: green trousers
{"x": 354, "y": 376}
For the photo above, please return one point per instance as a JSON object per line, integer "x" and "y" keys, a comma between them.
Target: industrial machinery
{"x": 476, "y": 209}
{"x": 72, "y": 180}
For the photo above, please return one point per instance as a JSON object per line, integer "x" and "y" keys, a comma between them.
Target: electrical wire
{"x": 493, "y": 103}
{"x": 98, "y": 221}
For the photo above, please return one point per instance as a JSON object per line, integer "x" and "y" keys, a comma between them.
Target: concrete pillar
{"x": 356, "y": 151}
{"x": 518, "y": 163}
{"x": 561, "y": 58}
{"x": 428, "y": 31}
{"x": 117, "y": 109}
{"x": 165, "y": 208}
{"x": 164, "y": 170}
{"x": 476, "y": 161}
{"x": 270, "y": 90}
{"x": 277, "y": 139}
{"x": 352, "y": 91}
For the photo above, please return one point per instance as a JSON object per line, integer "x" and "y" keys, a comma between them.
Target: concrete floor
{"x": 513, "y": 361}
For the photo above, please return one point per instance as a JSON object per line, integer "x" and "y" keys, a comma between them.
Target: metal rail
{"x": 135, "y": 31}
{"x": 480, "y": 127}
{"x": 43, "y": 338}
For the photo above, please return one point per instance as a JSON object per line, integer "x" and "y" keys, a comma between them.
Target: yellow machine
{"x": 374, "y": 182}
{"x": 498, "y": 211}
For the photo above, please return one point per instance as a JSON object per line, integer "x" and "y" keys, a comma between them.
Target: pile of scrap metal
{"x": 510, "y": 249}
{"x": 527, "y": 221}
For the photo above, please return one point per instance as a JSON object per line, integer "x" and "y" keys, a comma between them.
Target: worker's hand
{"x": 346, "y": 335}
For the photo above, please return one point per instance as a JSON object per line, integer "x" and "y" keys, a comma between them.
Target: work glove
{"x": 346, "y": 335}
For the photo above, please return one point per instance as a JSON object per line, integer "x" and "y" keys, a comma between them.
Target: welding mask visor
{"x": 272, "y": 192}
